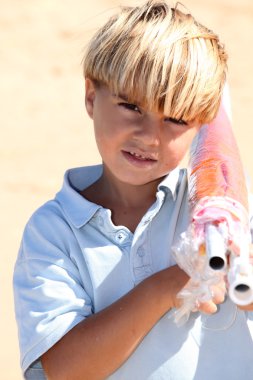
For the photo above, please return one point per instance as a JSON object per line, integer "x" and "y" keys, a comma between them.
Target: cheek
{"x": 176, "y": 150}
{"x": 186, "y": 140}
{"x": 106, "y": 134}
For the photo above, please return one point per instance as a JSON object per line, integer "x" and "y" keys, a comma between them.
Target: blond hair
{"x": 161, "y": 57}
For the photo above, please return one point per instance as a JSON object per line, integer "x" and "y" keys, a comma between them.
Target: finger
{"x": 218, "y": 297}
{"x": 246, "y": 307}
{"x": 207, "y": 307}
{"x": 218, "y": 293}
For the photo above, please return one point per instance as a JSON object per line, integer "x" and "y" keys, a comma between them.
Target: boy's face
{"x": 136, "y": 146}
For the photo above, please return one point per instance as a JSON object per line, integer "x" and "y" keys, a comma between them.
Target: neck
{"x": 128, "y": 203}
{"x": 127, "y": 195}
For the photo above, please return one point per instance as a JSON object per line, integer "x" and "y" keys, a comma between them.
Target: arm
{"x": 101, "y": 343}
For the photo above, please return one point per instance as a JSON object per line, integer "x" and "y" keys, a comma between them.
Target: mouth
{"x": 139, "y": 158}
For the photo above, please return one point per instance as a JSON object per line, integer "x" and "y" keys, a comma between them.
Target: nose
{"x": 148, "y": 131}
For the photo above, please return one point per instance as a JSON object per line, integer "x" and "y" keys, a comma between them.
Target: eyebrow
{"x": 126, "y": 99}
{"x": 121, "y": 96}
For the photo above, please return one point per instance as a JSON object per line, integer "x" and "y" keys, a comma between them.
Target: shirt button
{"x": 121, "y": 236}
{"x": 141, "y": 252}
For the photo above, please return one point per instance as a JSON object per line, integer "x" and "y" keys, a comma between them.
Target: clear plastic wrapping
{"x": 216, "y": 243}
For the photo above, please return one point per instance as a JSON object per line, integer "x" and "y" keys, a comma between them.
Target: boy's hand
{"x": 210, "y": 307}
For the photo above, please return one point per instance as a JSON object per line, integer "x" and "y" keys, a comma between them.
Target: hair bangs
{"x": 161, "y": 59}
{"x": 195, "y": 81}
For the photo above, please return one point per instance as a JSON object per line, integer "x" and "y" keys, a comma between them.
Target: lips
{"x": 137, "y": 157}
{"x": 140, "y": 156}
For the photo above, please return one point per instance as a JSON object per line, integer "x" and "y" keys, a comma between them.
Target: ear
{"x": 90, "y": 94}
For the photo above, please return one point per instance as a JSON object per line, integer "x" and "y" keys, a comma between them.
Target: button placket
{"x": 142, "y": 257}
{"x": 142, "y": 265}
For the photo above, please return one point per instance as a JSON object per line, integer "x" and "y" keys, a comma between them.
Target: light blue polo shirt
{"x": 73, "y": 261}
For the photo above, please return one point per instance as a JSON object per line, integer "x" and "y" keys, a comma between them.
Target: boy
{"x": 95, "y": 282}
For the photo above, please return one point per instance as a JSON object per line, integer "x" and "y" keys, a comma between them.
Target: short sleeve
{"x": 50, "y": 297}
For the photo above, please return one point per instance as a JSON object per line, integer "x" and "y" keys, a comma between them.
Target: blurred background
{"x": 44, "y": 128}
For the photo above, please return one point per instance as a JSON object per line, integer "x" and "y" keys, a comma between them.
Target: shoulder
{"x": 46, "y": 230}
{"x": 47, "y": 216}
{"x": 58, "y": 218}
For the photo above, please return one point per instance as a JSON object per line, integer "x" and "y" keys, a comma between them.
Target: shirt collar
{"x": 78, "y": 209}
{"x": 171, "y": 182}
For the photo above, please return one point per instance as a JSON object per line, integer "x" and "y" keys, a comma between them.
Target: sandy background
{"x": 44, "y": 128}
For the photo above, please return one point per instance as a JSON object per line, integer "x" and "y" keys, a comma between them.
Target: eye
{"x": 130, "y": 106}
{"x": 176, "y": 121}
